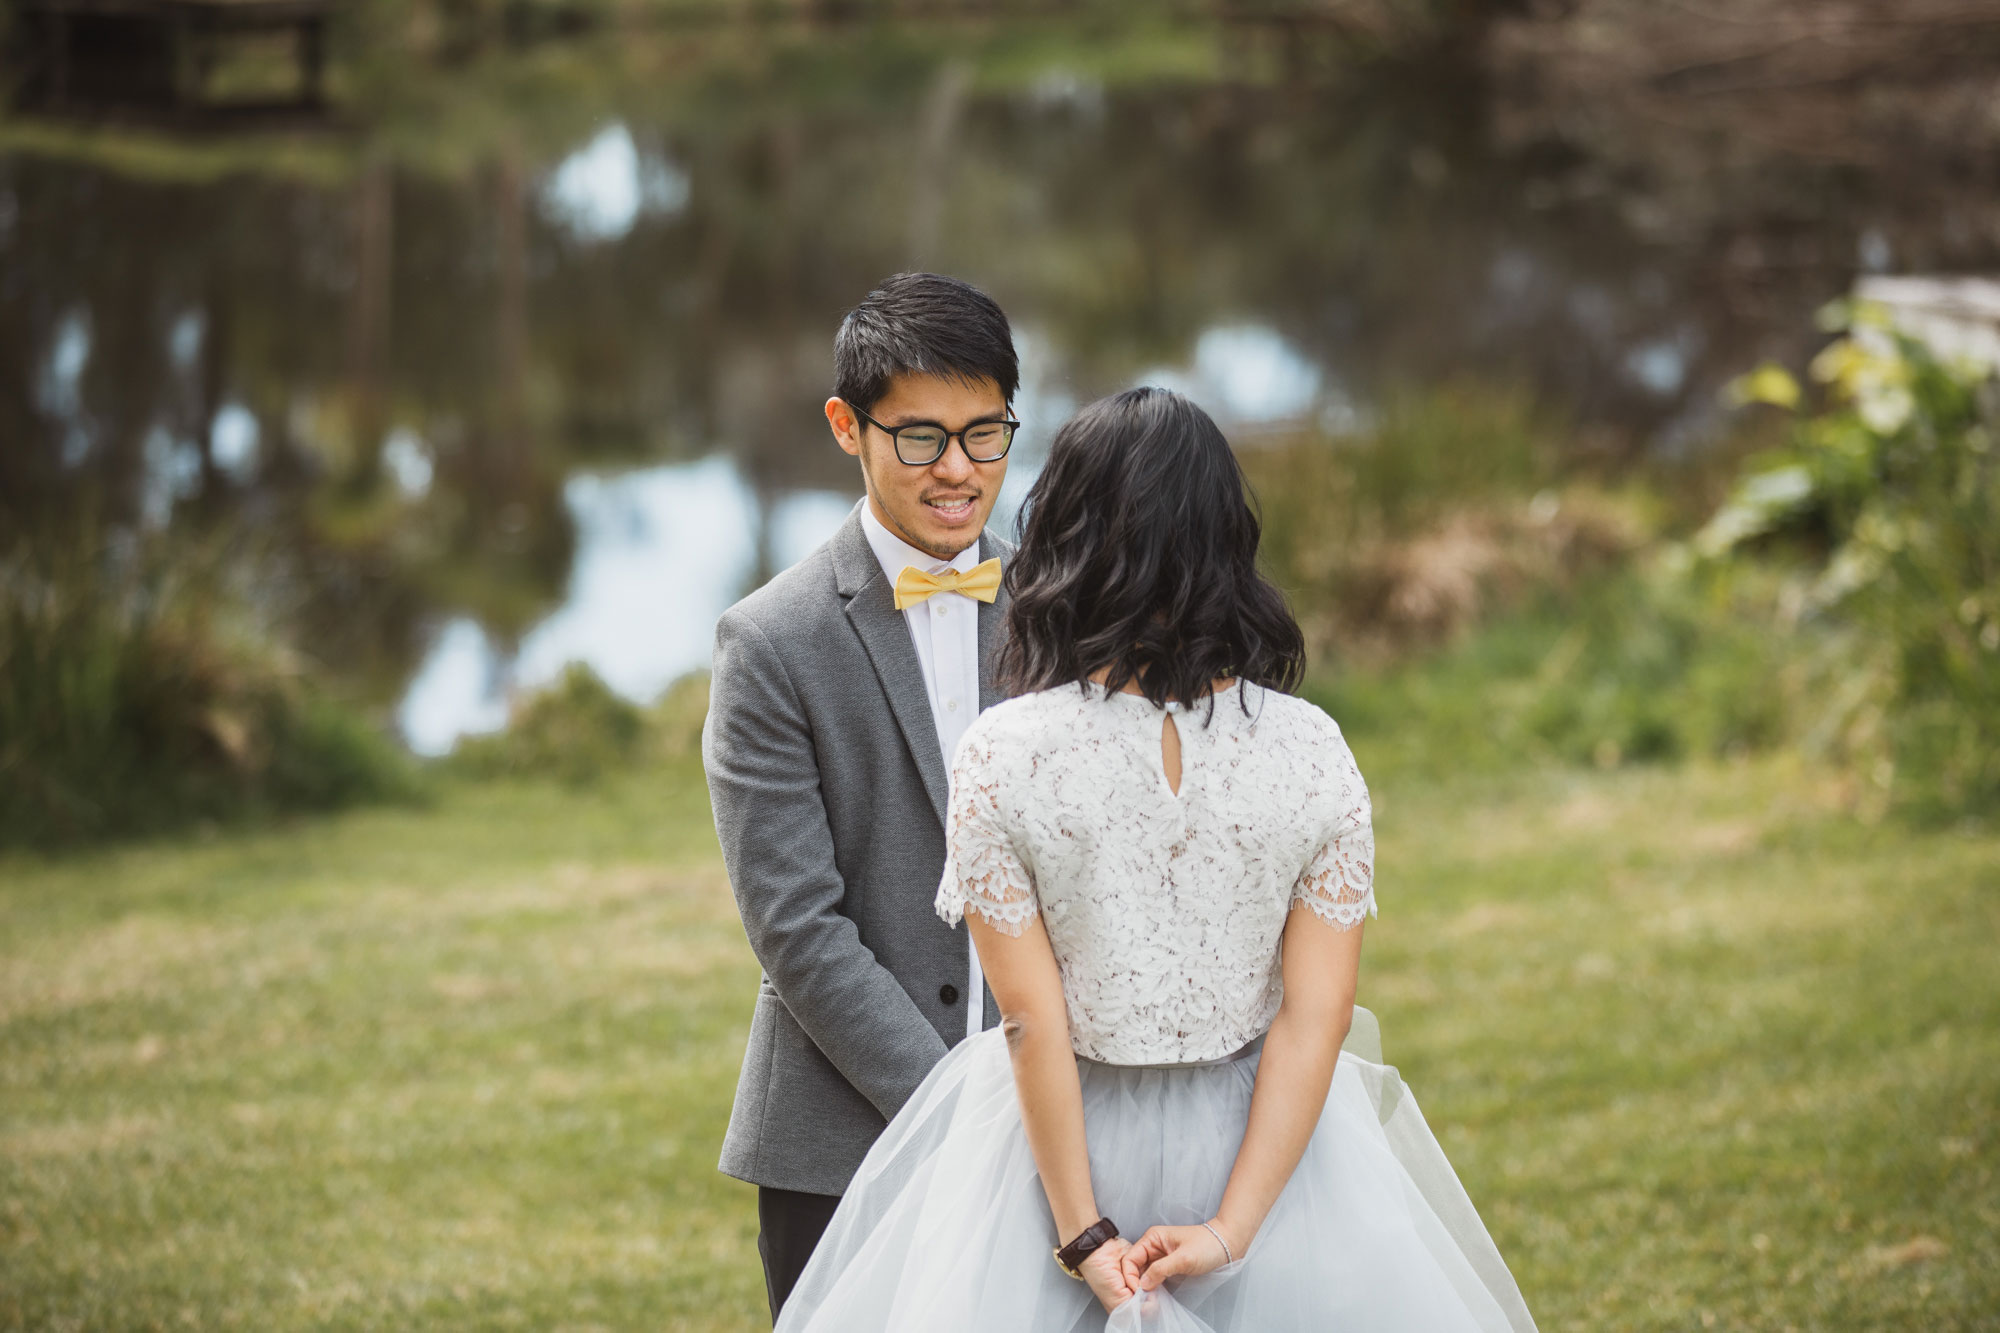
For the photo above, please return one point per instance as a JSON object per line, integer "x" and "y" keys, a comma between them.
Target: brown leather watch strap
{"x": 1093, "y": 1237}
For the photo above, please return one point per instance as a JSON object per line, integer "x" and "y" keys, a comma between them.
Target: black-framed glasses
{"x": 922, "y": 443}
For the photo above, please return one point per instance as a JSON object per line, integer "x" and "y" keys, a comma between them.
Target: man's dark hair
{"x": 922, "y": 324}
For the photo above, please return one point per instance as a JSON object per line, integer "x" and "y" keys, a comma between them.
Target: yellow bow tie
{"x": 981, "y": 582}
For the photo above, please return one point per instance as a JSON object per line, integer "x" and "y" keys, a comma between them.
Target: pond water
{"x": 516, "y": 358}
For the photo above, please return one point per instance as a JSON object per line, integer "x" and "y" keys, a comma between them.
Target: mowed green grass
{"x": 1706, "y": 1053}
{"x": 459, "y": 1068}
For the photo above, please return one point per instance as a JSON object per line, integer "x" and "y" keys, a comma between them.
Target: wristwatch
{"x": 1094, "y": 1235}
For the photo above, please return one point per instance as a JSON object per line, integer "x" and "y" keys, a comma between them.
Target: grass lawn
{"x": 1706, "y": 1054}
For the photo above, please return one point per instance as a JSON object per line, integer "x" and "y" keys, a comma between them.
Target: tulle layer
{"x": 946, "y": 1225}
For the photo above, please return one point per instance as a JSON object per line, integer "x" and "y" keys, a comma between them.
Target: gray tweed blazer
{"x": 829, "y": 797}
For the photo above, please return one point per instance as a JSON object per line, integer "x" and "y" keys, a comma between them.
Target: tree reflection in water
{"x": 416, "y": 353}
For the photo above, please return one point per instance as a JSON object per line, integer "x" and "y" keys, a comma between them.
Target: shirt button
{"x": 938, "y": 607}
{"x": 951, "y": 705}
{"x": 948, "y": 993}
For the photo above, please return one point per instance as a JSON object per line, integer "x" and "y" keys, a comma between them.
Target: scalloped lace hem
{"x": 1009, "y": 916}
{"x": 1342, "y": 914}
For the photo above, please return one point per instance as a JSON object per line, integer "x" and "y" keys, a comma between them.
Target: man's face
{"x": 940, "y": 507}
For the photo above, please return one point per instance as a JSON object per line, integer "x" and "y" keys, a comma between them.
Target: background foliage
{"x": 139, "y": 693}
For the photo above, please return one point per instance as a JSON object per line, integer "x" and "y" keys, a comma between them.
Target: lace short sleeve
{"x": 983, "y": 872}
{"x": 1338, "y": 883}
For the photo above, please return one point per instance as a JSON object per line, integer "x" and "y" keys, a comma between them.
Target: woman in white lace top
{"x": 1163, "y": 908}
{"x": 1164, "y": 858}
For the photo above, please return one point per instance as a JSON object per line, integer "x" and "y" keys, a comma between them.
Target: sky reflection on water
{"x": 662, "y": 552}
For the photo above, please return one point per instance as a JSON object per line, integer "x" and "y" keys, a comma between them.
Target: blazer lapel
{"x": 871, "y": 608}
{"x": 992, "y": 620}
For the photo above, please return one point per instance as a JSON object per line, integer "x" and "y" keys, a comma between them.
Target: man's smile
{"x": 952, "y": 508}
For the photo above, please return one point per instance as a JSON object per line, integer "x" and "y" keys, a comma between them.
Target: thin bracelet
{"x": 1228, "y": 1255}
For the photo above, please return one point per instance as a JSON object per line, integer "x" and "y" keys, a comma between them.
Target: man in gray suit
{"x": 838, "y": 693}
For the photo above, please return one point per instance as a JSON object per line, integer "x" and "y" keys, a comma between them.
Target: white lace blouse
{"x": 1165, "y": 911}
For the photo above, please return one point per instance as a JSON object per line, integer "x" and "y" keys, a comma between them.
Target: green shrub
{"x": 1844, "y": 599}
{"x": 137, "y": 695}
{"x": 1884, "y": 506}
{"x": 1468, "y": 603}
{"x": 579, "y": 729}
{"x": 1651, "y": 667}
{"x": 1638, "y": 665}
{"x": 575, "y": 731}
{"x": 1426, "y": 454}
{"x": 1448, "y": 507}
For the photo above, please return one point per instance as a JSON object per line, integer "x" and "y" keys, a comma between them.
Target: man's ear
{"x": 846, "y": 427}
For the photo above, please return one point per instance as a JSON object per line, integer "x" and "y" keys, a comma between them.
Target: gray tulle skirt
{"x": 946, "y": 1225}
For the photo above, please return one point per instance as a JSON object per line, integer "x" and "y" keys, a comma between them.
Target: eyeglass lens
{"x": 985, "y": 442}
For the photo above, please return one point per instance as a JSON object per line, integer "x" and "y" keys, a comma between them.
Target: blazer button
{"x": 948, "y": 993}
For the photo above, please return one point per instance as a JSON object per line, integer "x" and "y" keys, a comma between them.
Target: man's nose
{"x": 954, "y": 464}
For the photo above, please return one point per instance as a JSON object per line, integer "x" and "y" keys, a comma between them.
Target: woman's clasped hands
{"x": 1103, "y": 1270}
{"x": 1119, "y": 1269}
{"x": 1165, "y": 1252}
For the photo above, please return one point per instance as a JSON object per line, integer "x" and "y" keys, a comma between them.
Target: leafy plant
{"x": 138, "y": 693}
{"x": 1887, "y": 501}
{"x": 578, "y": 729}
{"x": 1448, "y": 505}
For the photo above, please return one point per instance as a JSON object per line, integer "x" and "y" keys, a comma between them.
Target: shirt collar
{"x": 893, "y": 553}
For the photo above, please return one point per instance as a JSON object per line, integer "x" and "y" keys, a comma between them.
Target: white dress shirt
{"x": 945, "y": 630}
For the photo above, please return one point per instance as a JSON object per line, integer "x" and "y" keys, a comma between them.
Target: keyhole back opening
{"x": 1170, "y": 752}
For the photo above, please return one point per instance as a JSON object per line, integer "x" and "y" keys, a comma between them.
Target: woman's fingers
{"x": 1171, "y": 1264}
{"x": 1136, "y": 1256}
{"x": 1133, "y": 1265}
{"x": 1168, "y": 1258}
{"x": 1166, "y": 1252}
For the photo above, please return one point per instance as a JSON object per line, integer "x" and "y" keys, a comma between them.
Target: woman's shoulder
{"x": 1023, "y": 722}
{"x": 1298, "y": 736}
{"x": 1023, "y": 709}
{"x": 1285, "y": 715}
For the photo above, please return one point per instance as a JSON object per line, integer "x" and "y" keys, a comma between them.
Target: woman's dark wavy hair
{"x": 1139, "y": 552}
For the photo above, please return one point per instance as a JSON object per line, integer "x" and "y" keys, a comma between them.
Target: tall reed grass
{"x": 140, "y": 692}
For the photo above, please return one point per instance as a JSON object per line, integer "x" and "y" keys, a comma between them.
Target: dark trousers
{"x": 789, "y": 1225}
